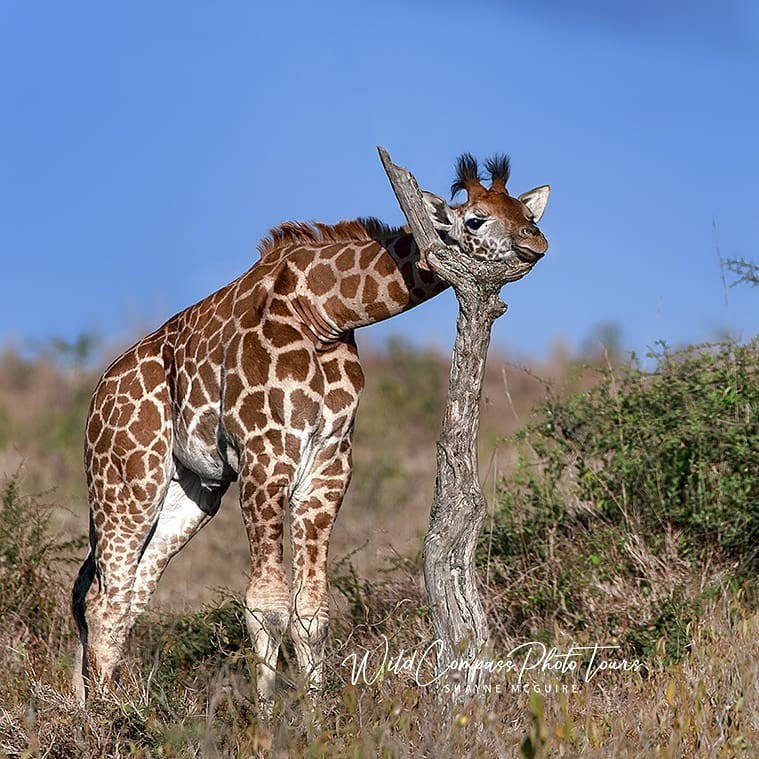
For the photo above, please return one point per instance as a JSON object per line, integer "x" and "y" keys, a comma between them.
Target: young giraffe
{"x": 260, "y": 382}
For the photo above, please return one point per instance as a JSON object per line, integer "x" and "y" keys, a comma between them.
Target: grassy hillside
{"x": 44, "y": 399}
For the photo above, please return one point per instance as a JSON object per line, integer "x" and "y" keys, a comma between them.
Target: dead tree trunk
{"x": 459, "y": 507}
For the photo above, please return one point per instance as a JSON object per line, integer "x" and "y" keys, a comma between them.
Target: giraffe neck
{"x": 342, "y": 286}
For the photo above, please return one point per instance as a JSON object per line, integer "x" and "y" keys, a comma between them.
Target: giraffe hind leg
{"x": 128, "y": 444}
{"x": 101, "y": 598}
{"x": 188, "y": 506}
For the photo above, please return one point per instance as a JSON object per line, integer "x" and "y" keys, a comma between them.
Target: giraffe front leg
{"x": 313, "y": 515}
{"x": 267, "y": 600}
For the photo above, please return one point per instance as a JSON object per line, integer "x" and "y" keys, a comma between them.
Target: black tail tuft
{"x": 81, "y": 586}
{"x": 83, "y": 582}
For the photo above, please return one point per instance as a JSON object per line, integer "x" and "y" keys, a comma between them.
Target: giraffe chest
{"x": 285, "y": 411}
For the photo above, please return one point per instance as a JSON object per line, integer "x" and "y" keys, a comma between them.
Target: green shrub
{"x": 624, "y": 493}
{"x": 178, "y": 645}
{"x": 30, "y": 565}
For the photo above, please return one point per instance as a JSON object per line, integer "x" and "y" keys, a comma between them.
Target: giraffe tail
{"x": 78, "y": 608}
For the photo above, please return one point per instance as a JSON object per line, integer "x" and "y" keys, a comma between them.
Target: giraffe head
{"x": 491, "y": 225}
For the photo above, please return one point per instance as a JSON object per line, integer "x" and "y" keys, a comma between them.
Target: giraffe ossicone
{"x": 259, "y": 382}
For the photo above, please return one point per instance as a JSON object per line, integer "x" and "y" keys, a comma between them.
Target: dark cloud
{"x": 723, "y": 22}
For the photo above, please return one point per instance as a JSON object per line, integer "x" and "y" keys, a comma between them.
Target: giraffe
{"x": 259, "y": 382}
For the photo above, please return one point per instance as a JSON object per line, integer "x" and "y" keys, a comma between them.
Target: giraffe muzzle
{"x": 528, "y": 255}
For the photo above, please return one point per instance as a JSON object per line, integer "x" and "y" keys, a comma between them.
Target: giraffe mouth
{"x": 528, "y": 255}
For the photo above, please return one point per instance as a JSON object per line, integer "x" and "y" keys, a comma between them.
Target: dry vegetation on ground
{"x": 561, "y": 563}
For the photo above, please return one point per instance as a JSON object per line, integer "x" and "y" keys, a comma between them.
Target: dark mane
{"x": 296, "y": 233}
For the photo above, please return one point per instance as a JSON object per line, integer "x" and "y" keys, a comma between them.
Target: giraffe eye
{"x": 475, "y": 222}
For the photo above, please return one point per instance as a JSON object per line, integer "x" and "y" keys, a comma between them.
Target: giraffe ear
{"x": 439, "y": 210}
{"x": 536, "y": 200}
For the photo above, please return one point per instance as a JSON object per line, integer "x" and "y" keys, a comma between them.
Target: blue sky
{"x": 146, "y": 147}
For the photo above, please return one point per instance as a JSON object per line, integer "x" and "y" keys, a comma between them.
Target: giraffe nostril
{"x": 531, "y": 231}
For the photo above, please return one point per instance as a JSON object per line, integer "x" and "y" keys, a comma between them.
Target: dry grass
{"x": 186, "y": 691}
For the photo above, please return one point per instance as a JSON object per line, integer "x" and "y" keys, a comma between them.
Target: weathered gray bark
{"x": 409, "y": 197}
{"x": 459, "y": 506}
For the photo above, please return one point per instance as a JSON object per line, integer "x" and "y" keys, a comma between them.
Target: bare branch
{"x": 411, "y": 202}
